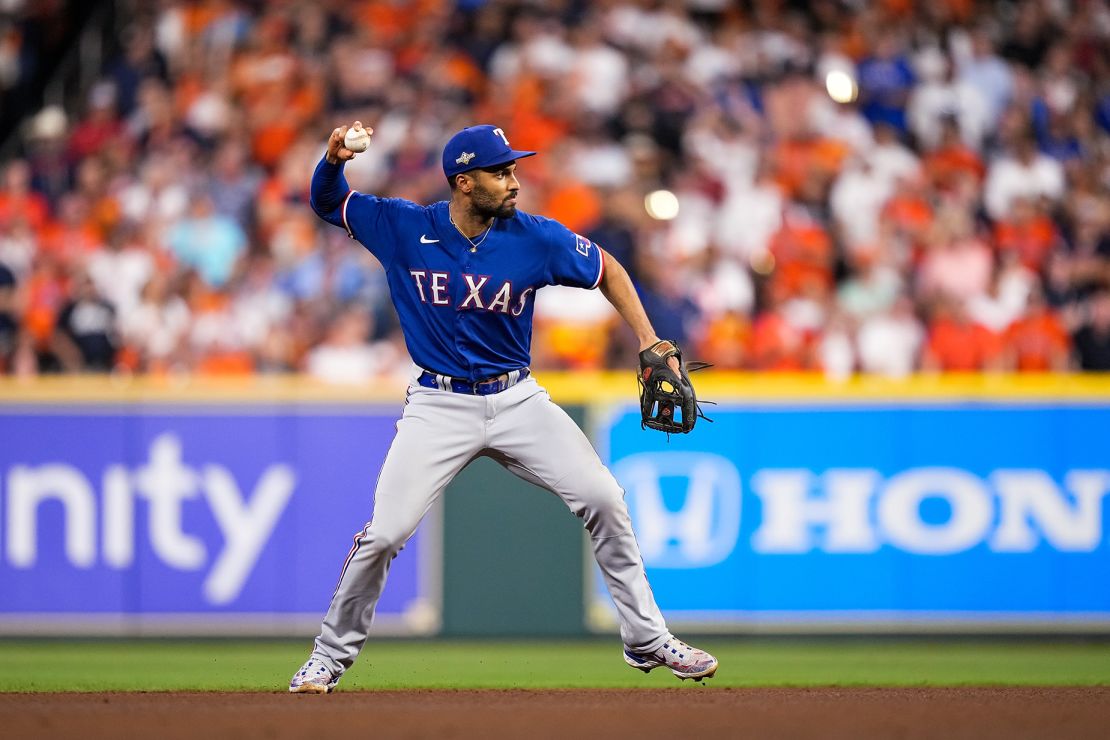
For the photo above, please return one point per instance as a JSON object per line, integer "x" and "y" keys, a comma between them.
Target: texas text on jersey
{"x": 466, "y": 310}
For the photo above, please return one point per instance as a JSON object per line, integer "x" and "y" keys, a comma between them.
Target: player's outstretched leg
{"x": 437, "y": 435}
{"x": 541, "y": 444}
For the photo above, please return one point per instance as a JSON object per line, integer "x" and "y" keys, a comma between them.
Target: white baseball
{"x": 356, "y": 139}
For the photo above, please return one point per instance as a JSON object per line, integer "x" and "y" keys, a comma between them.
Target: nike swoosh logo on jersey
{"x": 425, "y": 240}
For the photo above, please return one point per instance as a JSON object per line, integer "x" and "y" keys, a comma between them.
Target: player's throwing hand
{"x": 339, "y": 142}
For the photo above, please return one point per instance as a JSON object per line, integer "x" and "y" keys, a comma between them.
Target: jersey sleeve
{"x": 572, "y": 260}
{"x": 373, "y": 221}
{"x": 370, "y": 220}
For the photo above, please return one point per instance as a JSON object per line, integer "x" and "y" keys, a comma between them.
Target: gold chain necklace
{"x": 473, "y": 244}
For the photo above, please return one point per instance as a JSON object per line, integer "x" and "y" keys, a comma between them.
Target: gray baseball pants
{"x": 526, "y": 432}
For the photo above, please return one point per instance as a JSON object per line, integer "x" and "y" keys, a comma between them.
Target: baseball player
{"x": 463, "y": 275}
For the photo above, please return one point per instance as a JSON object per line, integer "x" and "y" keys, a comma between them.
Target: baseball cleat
{"x": 685, "y": 661}
{"x": 313, "y": 678}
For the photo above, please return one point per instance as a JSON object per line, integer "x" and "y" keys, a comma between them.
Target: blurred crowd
{"x": 35, "y": 35}
{"x": 835, "y": 185}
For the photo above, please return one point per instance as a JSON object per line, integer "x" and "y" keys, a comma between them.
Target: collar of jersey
{"x": 446, "y": 230}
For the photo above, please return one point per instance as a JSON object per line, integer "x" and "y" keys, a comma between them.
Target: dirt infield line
{"x": 645, "y": 714}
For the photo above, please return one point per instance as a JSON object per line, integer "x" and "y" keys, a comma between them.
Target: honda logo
{"x": 685, "y": 506}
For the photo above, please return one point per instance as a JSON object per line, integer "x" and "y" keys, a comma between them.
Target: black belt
{"x": 486, "y": 387}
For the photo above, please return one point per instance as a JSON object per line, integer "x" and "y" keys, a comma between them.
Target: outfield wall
{"x": 226, "y": 507}
{"x": 167, "y": 517}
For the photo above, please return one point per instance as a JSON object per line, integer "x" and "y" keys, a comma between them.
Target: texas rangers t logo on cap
{"x": 481, "y": 146}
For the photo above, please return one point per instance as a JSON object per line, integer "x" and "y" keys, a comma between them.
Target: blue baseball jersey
{"x": 466, "y": 311}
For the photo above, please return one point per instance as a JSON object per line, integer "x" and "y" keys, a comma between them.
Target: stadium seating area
{"x": 837, "y": 185}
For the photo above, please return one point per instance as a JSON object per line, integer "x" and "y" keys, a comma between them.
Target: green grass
{"x": 149, "y": 665}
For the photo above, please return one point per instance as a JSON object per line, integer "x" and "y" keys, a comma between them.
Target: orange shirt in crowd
{"x": 727, "y": 341}
{"x": 910, "y": 214}
{"x": 953, "y": 11}
{"x": 393, "y": 19}
{"x": 797, "y": 160}
{"x": 226, "y": 362}
{"x": 1032, "y": 240}
{"x": 30, "y": 207}
{"x": 573, "y": 204}
{"x": 217, "y": 360}
{"x": 803, "y": 255}
{"x": 531, "y": 121}
{"x": 197, "y": 17}
{"x": 947, "y": 165}
{"x": 272, "y": 140}
{"x": 1038, "y": 343}
{"x": 961, "y": 346}
{"x": 776, "y": 345}
{"x": 68, "y": 242}
{"x": 190, "y": 85}
{"x": 45, "y": 291}
{"x": 460, "y": 72}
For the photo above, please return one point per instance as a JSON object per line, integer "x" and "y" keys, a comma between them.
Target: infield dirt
{"x": 644, "y": 714}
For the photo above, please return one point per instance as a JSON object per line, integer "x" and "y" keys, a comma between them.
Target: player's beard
{"x": 489, "y": 205}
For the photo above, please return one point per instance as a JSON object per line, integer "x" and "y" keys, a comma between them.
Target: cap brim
{"x": 511, "y": 156}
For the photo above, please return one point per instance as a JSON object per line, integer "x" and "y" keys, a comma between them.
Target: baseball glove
{"x": 667, "y": 399}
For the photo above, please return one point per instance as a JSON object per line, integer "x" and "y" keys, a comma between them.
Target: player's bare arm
{"x": 618, "y": 289}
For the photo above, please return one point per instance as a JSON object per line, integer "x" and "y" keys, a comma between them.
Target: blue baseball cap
{"x": 478, "y": 146}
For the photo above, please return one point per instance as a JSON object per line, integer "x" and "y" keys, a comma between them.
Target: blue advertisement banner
{"x": 218, "y": 515}
{"x": 900, "y": 514}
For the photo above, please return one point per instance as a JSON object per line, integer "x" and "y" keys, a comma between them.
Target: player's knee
{"x": 385, "y": 541}
{"x": 605, "y": 512}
